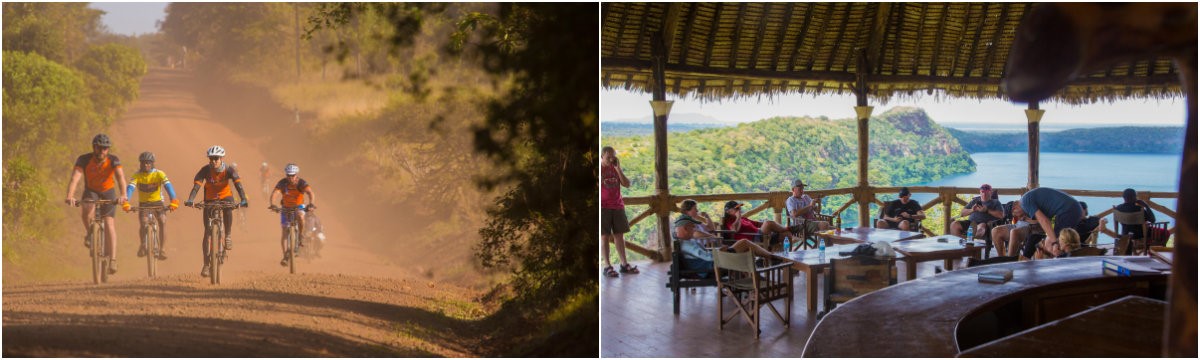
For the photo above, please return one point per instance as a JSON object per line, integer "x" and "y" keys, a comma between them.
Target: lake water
{"x": 1076, "y": 171}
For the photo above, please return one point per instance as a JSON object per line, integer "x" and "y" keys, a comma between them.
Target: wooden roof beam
{"x": 633, "y": 65}
{"x": 670, "y": 25}
{"x": 875, "y": 43}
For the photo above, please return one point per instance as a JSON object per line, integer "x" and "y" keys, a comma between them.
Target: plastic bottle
{"x": 821, "y": 246}
{"x": 787, "y": 244}
{"x": 970, "y": 235}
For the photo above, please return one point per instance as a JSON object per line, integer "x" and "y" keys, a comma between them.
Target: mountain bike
{"x": 152, "y": 238}
{"x": 216, "y": 240}
{"x": 292, "y": 242}
{"x": 313, "y": 236}
{"x": 97, "y": 234}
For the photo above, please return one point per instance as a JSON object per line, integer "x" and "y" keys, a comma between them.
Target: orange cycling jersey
{"x": 98, "y": 174}
{"x": 218, "y": 184}
{"x": 293, "y": 195}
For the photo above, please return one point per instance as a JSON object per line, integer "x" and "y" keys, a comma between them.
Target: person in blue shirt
{"x": 693, "y": 224}
{"x": 1046, "y": 206}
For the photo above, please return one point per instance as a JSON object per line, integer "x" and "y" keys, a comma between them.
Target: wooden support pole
{"x": 947, "y": 201}
{"x": 661, "y": 108}
{"x": 1034, "y": 115}
{"x": 864, "y": 116}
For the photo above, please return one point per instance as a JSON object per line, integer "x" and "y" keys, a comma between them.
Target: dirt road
{"x": 353, "y": 301}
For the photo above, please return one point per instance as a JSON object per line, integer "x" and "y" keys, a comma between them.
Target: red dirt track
{"x": 355, "y": 300}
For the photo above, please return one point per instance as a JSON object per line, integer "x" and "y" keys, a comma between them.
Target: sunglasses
{"x": 214, "y": 158}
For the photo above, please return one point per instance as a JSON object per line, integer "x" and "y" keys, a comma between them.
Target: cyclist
{"x": 216, "y": 177}
{"x": 265, "y": 173}
{"x": 98, "y": 169}
{"x": 150, "y": 182}
{"x": 292, "y": 188}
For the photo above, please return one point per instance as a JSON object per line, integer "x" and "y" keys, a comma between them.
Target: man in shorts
{"x": 613, "y": 223}
{"x": 99, "y": 169}
{"x": 802, "y": 207}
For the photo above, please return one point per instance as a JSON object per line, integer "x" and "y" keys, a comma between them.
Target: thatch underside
{"x": 729, "y": 50}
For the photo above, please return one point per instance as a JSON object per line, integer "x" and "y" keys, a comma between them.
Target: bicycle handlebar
{"x": 277, "y": 209}
{"x": 79, "y": 203}
{"x": 216, "y": 205}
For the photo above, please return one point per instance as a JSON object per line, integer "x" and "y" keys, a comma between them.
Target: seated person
{"x": 801, "y": 206}
{"x": 1017, "y": 231}
{"x": 982, "y": 209}
{"x": 757, "y": 231}
{"x": 901, "y": 213}
{"x": 1088, "y": 223}
{"x": 1068, "y": 241}
{"x": 693, "y": 224}
{"x": 1043, "y": 204}
{"x": 1132, "y": 204}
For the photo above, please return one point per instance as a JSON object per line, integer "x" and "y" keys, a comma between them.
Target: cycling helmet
{"x": 264, "y": 165}
{"x": 101, "y": 140}
{"x": 146, "y": 156}
{"x": 216, "y": 150}
{"x": 291, "y": 169}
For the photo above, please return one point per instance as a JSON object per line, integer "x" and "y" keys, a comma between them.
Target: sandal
{"x": 609, "y": 272}
{"x": 628, "y": 269}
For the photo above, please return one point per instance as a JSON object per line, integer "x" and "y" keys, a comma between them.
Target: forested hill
{"x": 907, "y": 147}
{"x": 1125, "y": 139}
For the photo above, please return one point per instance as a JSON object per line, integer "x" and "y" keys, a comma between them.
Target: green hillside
{"x": 1124, "y": 139}
{"x": 907, "y": 147}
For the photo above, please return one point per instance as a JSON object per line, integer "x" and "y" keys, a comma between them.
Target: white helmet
{"x": 216, "y": 150}
{"x": 264, "y": 166}
{"x": 291, "y": 169}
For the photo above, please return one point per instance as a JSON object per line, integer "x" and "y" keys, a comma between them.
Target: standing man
{"x": 801, "y": 206}
{"x": 982, "y": 209}
{"x": 613, "y": 223}
{"x": 1043, "y": 205}
{"x": 98, "y": 169}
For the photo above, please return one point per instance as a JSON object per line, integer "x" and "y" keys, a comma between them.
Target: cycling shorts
{"x": 107, "y": 210}
{"x": 283, "y": 220}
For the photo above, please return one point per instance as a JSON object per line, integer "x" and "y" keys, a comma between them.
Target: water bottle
{"x": 787, "y": 244}
{"x": 821, "y": 247}
{"x": 970, "y": 235}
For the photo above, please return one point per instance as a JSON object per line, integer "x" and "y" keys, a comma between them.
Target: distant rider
{"x": 216, "y": 177}
{"x": 98, "y": 169}
{"x": 150, "y": 182}
{"x": 293, "y": 189}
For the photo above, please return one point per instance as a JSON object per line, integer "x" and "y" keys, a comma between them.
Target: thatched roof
{"x": 719, "y": 50}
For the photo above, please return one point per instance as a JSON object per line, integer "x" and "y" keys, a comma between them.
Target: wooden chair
{"x": 1156, "y": 236}
{"x": 1137, "y": 246}
{"x": 680, "y": 278}
{"x": 807, "y": 240}
{"x": 751, "y": 288}
{"x": 854, "y": 276}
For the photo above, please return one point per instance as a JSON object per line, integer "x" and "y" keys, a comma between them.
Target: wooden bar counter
{"x": 946, "y": 314}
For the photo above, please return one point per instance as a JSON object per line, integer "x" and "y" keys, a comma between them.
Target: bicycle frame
{"x": 216, "y": 230}
{"x": 153, "y": 236}
{"x": 99, "y": 231}
{"x": 293, "y": 236}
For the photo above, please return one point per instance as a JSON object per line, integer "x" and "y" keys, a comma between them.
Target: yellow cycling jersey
{"x": 149, "y": 185}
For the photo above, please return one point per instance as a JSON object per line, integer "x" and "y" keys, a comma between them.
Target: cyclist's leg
{"x": 108, "y": 211}
{"x": 207, "y": 234}
{"x": 88, "y": 210}
{"x": 162, "y": 231}
{"x": 228, "y": 228}
{"x": 283, "y": 232}
{"x": 300, "y": 221}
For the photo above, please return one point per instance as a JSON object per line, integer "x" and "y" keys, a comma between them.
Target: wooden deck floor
{"x": 636, "y": 320}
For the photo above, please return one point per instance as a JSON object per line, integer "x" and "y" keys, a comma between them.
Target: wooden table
{"x": 1128, "y": 327}
{"x": 812, "y": 264}
{"x": 929, "y": 249}
{"x": 860, "y": 235}
{"x": 923, "y": 318}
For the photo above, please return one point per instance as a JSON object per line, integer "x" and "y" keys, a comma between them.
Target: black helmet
{"x": 146, "y": 156}
{"x": 101, "y": 140}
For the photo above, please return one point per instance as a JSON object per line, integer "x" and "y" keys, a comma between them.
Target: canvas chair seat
{"x": 752, "y": 288}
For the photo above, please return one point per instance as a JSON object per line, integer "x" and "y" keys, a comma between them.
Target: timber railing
{"x": 946, "y": 198}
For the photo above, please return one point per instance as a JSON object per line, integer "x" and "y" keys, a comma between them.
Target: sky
{"x": 131, "y": 18}
{"x": 622, "y": 105}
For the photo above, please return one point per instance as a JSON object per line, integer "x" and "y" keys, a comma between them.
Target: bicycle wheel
{"x": 97, "y": 251}
{"x": 151, "y": 242}
{"x": 214, "y": 250}
{"x": 220, "y": 250}
{"x": 291, "y": 244}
